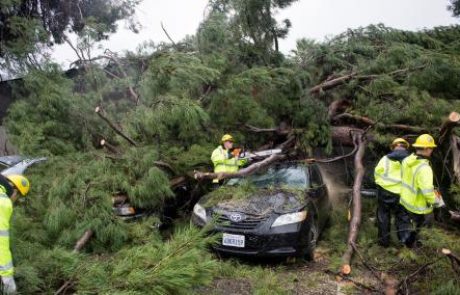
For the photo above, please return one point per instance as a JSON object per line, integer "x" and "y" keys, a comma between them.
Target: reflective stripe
{"x": 3, "y": 196}
{"x": 412, "y": 187}
{"x": 387, "y": 178}
{"x": 7, "y": 266}
{"x": 230, "y": 165}
{"x": 409, "y": 187}
{"x": 412, "y": 207}
{"x": 4, "y": 233}
{"x": 387, "y": 166}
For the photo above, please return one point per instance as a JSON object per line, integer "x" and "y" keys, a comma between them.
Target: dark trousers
{"x": 388, "y": 204}
{"x": 409, "y": 226}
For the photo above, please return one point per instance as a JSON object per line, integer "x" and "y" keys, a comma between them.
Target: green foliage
{"x": 48, "y": 118}
{"x": 28, "y": 25}
{"x": 173, "y": 267}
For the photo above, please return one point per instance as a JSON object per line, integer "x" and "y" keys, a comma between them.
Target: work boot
{"x": 9, "y": 286}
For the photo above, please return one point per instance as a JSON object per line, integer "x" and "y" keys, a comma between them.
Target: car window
{"x": 278, "y": 176}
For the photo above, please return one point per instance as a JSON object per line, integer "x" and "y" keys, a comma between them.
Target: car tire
{"x": 311, "y": 240}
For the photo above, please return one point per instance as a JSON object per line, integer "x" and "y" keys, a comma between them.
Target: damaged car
{"x": 280, "y": 211}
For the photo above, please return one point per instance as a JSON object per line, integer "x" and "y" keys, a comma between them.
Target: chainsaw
{"x": 240, "y": 153}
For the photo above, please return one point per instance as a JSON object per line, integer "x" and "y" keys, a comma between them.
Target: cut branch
{"x": 102, "y": 115}
{"x": 454, "y": 260}
{"x": 356, "y": 197}
{"x": 452, "y": 121}
{"x": 243, "y": 172}
{"x": 109, "y": 147}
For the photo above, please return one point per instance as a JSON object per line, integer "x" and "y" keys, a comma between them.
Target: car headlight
{"x": 200, "y": 212}
{"x": 290, "y": 218}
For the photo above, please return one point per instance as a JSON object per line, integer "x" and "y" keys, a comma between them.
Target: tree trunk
{"x": 356, "y": 212}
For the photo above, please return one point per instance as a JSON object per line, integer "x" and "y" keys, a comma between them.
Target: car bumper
{"x": 287, "y": 240}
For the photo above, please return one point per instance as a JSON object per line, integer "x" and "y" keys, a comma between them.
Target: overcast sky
{"x": 313, "y": 19}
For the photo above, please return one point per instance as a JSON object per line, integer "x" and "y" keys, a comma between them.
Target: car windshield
{"x": 277, "y": 176}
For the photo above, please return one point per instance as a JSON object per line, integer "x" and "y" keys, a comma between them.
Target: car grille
{"x": 251, "y": 222}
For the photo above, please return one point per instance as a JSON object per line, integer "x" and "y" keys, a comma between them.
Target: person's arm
{"x": 218, "y": 157}
{"x": 424, "y": 180}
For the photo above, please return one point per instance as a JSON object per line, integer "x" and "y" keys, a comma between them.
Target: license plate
{"x": 233, "y": 240}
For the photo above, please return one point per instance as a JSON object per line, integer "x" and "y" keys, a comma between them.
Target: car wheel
{"x": 311, "y": 240}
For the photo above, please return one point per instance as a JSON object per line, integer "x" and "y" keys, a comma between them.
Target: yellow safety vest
{"x": 222, "y": 163}
{"x": 417, "y": 190}
{"x": 6, "y": 259}
{"x": 387, "y": 174}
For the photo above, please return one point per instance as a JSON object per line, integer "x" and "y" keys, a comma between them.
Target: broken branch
{"x": 83, "y": 240}
{"x": 356, "y": 215}
{"x": 101, "y": 114}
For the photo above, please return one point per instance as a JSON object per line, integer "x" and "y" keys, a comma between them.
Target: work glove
{"x": 9, "y": 286}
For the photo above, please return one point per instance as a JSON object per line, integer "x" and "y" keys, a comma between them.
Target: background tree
{"x": 29, "y": 26}
{"x": 454, "y": 7}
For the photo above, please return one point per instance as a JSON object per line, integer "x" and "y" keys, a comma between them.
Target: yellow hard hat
{"x": 21, "y": 183}
{"x": 424, "y": 141}
{"x": 400, "y": 141}
{"x": 227, "y": 137}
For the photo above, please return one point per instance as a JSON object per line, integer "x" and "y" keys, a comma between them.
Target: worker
{"x": 387, "y": 176}
{"x": 417, "y": 190}
{"x": 226, "y": 158}
{"x": 10, "y": 186}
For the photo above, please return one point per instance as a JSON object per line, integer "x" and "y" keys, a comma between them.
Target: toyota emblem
{"x": 236, "y": 217}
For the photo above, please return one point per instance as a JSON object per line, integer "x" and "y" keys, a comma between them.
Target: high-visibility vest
{"x": 222, "y": 162}
{"x": 417, "y": 189}
{"x": 387, "y": 174}
{"x": 6, "y": 259}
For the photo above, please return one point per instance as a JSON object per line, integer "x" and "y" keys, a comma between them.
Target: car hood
{"x": 18, "y": 164}
{"x": 263, "y": 202}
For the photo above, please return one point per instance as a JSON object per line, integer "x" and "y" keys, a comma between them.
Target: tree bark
{"x": 356, "y": 212}
{"x": 115, "y": 128}
{"x": 337, "y": 107}
{"x": 326, "y": 85}
{"x": 455, "y": 145}
{"x": 369, "y": 122}
{"x": 83, "y": 240}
